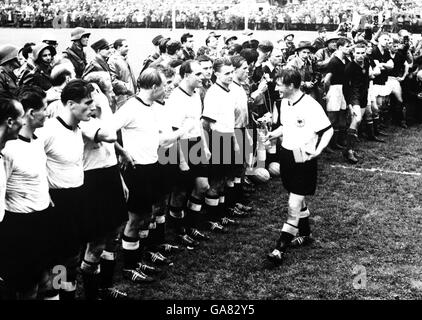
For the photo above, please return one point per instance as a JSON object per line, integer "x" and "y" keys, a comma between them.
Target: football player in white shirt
{"x": 64, "y": 147}
{"x": 185, "y": 107}
{"x": 243, "y": 134}
{"x": 141, "y": 140}
{"x": 306, "y": 131}
{"x": 102, "y": 180}
{"x": 219, "y": 116}
{"x": 27, "y": 223}
{"x": 11, "y": 121}
{"x": 167, "y": 161}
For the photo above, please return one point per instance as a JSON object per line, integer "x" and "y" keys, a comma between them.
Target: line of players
{"x": 63, "y": 185}
{"x": 83, "y": 180}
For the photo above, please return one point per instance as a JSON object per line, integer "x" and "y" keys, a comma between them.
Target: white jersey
{"x": 140, "y": 132}
{"x": 219, "y": 107}
{"x": 26, "y": 175}
{"x": 241, "y": 113}
{"x": 185, "y": 112}
{"x": 163, "y": 117}
{"x": 98, "y": 154}
{"x": 302, "y": 121}
{"x": 64, "y": 148}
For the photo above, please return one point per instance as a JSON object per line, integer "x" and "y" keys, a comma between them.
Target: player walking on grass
{"x": 306, "y": 131}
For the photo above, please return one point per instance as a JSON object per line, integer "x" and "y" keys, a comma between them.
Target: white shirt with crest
{"x": 302, "y": 122}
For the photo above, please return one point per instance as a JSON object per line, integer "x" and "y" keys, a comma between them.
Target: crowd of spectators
{"x": 214, "y": 14}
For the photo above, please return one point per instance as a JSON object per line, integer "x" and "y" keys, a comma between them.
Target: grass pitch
{"x": 367, "y": 226}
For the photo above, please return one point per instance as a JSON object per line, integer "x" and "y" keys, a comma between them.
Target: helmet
{"x": 78, "y": 33}
{"x": 8, "y": 52}
{"x": 39, "y": 48}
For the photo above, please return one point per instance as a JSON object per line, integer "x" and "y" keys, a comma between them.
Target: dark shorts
{"x": 105, "y": 204}
{"x": 297, "y": 178}
{"x": 195, "y": 156}
{"x": 143, "y": 183}
{"x": 222, "y": 159}
{"x": 169, "y": 177}
{"x": 27, "y": 247}
{"x": 69, "y": 211}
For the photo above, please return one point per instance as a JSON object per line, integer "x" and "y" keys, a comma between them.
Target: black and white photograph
{"x": 210, "y": 155}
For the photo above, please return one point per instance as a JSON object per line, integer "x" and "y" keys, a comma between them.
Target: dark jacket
{"x": 319, "y": 43}
{"x": 188, "y": 54}
{"x": 77, "y": 57}
{"x": 38, "y": 76}
{"x": 8, "y": 81}
{"x": 97, "y": 64}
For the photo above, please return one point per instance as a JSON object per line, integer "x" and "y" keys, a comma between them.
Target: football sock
{"x": 194, "y": 216}
{"x": 130, "y": 245}
{"x": 177, "y": 216}
{"x": 90, "y": 272}
{"x": 304, "y": 227}
{"x": 160, "y": 229}
{"x": 211, "y": 207}
{"x": 107, "y": 266}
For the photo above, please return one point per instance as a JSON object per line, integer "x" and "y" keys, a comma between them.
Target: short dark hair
{"x": 163, "y": 45}
{"x": 207, "y": 40}
{"x": 289, "y": 76}
{"x": 219, "y": 62}
{"x": 202, "y": 51}
{"x": 148, "y": 78}
{"x": 185, "y": 37}
{"x": 167, "y": 71}
{"x": 254, "y": 43}
{"x": 186, "y": 68}
{"x": 172, "y": 47}
{"x": 235, "y": 49}
{"x": 60, "y": 77}
{"x": 265, "y": 46}
{"x": 118, "y": 43}
{"x": 76, "y": 90}
{"x": 250, "y": 44}
{"x": 237, "y": 61}
{"x": 27, "y": 49}
{"x": 175, "y": 63}
{"x": 31, "y": 97}
{"x": 342, "y": 42}
{"x": 251, "y": 55}
{"x": 7, "y": 107}
{"x": 203, "y": 58}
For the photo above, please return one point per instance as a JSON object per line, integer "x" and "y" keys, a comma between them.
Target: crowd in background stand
{"x": 214, "y": 14}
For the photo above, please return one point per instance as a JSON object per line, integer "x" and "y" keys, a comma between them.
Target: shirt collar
{"x": 25, "y": 139}
{"x": 184, "y": 91}
{"x": 66, "y": 125}
{"x": 298, "y": 100}
{"x": 227, "y": 90}
{"x": 142, "y": 101}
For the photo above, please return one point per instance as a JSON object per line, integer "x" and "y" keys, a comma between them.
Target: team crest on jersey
{"x": 300, "y": 122}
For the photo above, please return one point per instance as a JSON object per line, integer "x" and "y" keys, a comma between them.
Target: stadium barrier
{"x": 194, "y": 25}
